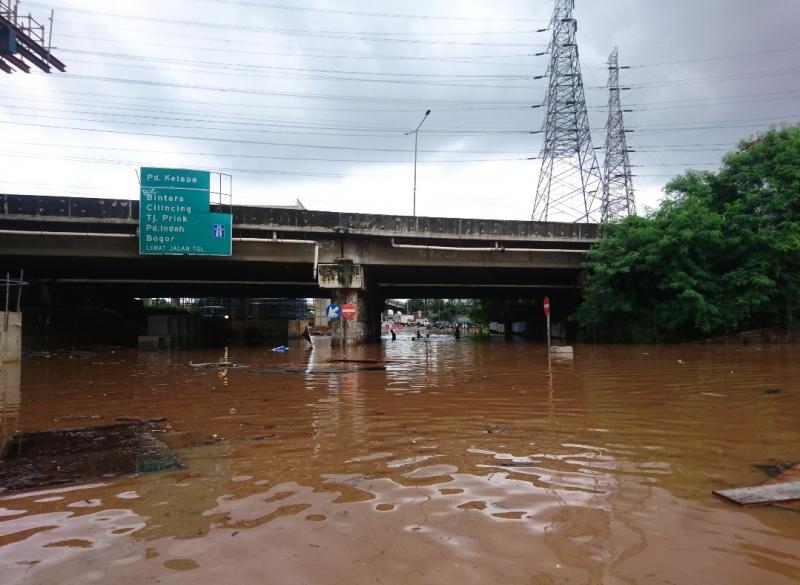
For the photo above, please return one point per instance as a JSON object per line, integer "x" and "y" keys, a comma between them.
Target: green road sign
{"x": 175, "y": 216}
{"x": 176, "y": 178}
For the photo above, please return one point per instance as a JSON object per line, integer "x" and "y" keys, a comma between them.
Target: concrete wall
{"x": 172, "y": 332}
{"x": 10, "y": 337}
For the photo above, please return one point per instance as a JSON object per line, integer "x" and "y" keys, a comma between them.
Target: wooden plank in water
{"x": 788, "y": 476}
{"x": 763, "y": 495}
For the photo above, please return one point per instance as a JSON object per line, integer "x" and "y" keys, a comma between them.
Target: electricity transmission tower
{"x": 570, "y": 182}
{"x": 618, "y": 197}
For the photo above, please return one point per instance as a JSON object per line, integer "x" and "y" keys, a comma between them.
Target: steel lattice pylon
{"x": 618, "y": 196}
{"x": 570, "y": 182}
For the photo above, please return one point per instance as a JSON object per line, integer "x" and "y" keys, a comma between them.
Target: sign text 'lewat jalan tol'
{"x": 175, "y": 214}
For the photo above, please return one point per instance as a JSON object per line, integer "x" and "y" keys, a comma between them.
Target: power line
{"x": 360, "y": 110}
{"x": 717, "y": 58}
{"x": 703, "y": 59}
{"x": 722, "y": 78}
{"x": 217, "y": 64}
{"x": 137, "y": 163}
{"x": 367, "y": 13}
{"x": 328, "y": 54}
{"x": 241, "y": 141}
{"x": 290, "y": 129}
{"x": 282, "y": 172}
{"x": 330, "y": 35}
{"x": 780, "y": 121}
{"x": 690, "y": 103}
{"x": 290, "y": 123}
{"x": 259, "y": 156}
{"x": 239, "y": 70}
{"x": 233, "y": 90}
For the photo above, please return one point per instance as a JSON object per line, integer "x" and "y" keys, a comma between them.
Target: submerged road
{"x": 457, "y": 462}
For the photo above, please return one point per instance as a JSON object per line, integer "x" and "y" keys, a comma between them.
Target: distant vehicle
{"x": 423, "y": 323}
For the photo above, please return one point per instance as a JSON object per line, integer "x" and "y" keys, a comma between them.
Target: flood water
{"x": 463, "y": 462}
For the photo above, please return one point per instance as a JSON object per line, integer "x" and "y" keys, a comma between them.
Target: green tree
{"x": 720, "y": 254}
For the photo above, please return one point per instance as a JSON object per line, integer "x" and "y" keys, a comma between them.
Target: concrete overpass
{"x": 350, "y": 257}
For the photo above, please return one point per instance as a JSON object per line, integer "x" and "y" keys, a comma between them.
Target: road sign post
{"x": 546, "y": 306}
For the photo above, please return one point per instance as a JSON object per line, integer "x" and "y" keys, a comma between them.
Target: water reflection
{"x": 10, "y": 397}
{"x": 482, "y": 462}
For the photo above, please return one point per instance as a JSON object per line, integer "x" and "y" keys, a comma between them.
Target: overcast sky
{"x": 311, "y": 100}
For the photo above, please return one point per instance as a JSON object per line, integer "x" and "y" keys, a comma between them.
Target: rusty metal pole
{"x": 8, "y": 295}
{"x": 19, "y": 290}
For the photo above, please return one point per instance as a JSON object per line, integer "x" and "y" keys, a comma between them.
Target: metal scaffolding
{"x": 248, "y": 309}
{"x": 24, "y": 41}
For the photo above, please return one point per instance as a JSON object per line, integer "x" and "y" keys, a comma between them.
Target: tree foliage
{"x": 439, "y": 309}
{"x": 720, "y": 254}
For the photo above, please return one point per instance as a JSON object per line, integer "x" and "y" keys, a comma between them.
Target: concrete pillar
{"x": 10, "y": 336}
{"x": 347, "y": 284}
{"x": 350, "y": 331}
{"x": 320, "y": 320}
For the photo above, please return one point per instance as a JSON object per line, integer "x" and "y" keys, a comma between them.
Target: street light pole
{"x": 416, "y": 140}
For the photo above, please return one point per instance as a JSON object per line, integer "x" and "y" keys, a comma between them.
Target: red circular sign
{"x": 348, "y": 311}
{"x": 546, "y": 305}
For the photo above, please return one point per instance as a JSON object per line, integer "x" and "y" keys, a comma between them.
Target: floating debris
{"x": 783, "y": 490}
{"x": 562, "y": 349}
{"x": 498, "y": 430}
{"x": 517, "y": 463}
{"x": 762, "y": 495}
{"x": 303, "y": 370}
{"x": 138, "y": 419}
{"x": 774, "y": 468}
{"x": 214, "y": 365}
{"x": 345, "y": 361}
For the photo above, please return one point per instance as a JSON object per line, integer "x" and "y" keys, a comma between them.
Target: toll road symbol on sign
{"x": 333, "y": 311}
{"x": 348, "y": 311}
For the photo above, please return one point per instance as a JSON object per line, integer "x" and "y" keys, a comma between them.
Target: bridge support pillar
{"x": 10, "y": 337}
{"x": 348, "y": 286}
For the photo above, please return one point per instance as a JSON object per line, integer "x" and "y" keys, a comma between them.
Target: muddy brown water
{"x": 461, "y": 462}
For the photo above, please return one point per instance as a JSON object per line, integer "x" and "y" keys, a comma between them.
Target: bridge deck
{"x": 123, "y": 215}
{"x": 81, "y": 241}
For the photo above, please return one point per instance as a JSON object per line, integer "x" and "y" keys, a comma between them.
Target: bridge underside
{"x": 197, "y": 277}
